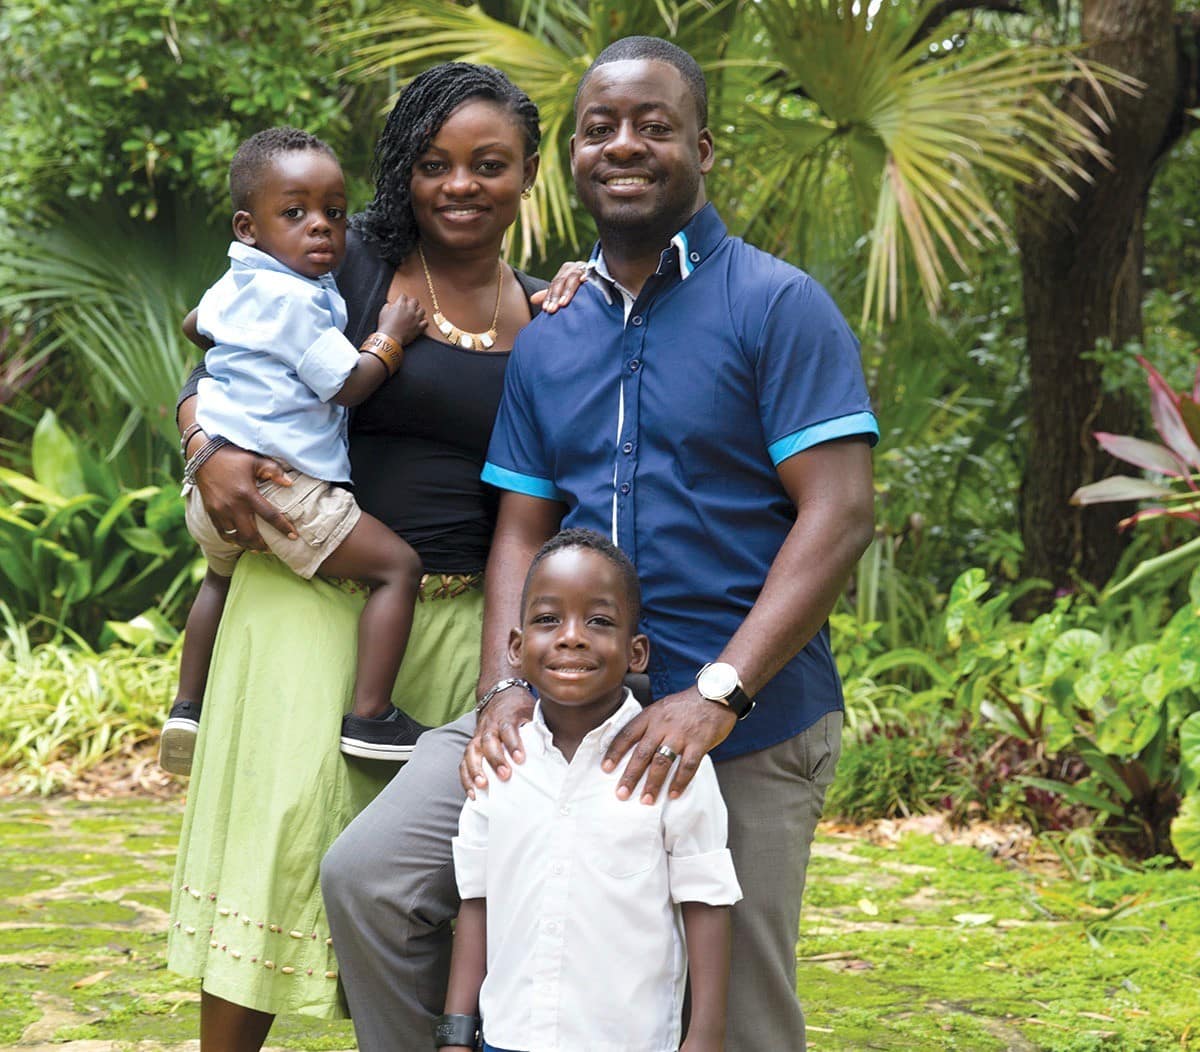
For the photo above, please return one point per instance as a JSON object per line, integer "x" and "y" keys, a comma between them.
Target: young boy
{"x": 569, "y": 935}
{"x": 280, "y": 374}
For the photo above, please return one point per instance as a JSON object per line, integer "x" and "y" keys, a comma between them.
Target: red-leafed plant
{"x": 1175, "y": 492}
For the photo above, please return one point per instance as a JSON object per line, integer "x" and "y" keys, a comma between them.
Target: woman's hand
{"x": 563, "y": 286}
{"x": 227, "y": 487}
{"x": 497, "y": 737}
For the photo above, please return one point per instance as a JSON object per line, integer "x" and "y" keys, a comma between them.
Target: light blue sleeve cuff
{"x": 826, "y": 431}
{"x": 530, "y": 485}
{"x": 325, "y": 365}
{"x": 704, "y": 878}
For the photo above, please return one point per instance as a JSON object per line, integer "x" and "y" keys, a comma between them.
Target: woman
{"x": 270, "y": 791}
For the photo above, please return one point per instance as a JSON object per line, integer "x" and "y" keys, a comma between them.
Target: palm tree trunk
{"x": 1081, "y": 263}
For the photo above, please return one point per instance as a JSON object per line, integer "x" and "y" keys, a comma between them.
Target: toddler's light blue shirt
{"x": 279, "y": 357}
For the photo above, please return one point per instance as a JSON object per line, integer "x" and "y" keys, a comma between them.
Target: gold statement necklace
{"x": 470, "y": 341}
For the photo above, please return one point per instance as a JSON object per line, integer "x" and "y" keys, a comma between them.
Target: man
{"x": 703, "y": 404}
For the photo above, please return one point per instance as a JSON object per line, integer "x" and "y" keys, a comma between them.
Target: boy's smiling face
{"x": 299, "y": 213}
{"x": 578, "y": 636}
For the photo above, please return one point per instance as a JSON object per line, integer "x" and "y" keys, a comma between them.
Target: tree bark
{"x": 1081, "y": 263}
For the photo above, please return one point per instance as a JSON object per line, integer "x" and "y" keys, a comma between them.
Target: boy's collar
{"x": 240, "y": 252}
{"x": 606, "y": 731}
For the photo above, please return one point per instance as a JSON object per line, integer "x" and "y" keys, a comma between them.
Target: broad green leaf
{"x": 1075, "y": 650}
{"x": 55, "y": 459}
{"x": 1189, "y": 752}
{"x": 143, "y": 540}
{"x": 1185, "y": 830}
{"x": 30, "y": 488}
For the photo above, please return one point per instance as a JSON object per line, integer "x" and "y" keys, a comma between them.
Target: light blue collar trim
{"x": 680, "y": 241}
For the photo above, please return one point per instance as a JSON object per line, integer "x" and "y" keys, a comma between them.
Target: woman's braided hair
{"x": 420, "y": 111}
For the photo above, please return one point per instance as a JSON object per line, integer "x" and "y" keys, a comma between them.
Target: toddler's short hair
{"x": 592, "y": 542}
{"x": 257, "y": 152}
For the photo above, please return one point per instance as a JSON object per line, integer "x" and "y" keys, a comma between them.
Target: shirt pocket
{"x": 625, "y": 837}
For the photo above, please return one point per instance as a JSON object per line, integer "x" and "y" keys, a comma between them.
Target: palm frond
{"x": 111, "y": 294}
{"x": 942, "y": 128}
{"x": 546, "y": 51}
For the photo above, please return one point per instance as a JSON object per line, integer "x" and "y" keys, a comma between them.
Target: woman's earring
{"x": 527, "y": 193}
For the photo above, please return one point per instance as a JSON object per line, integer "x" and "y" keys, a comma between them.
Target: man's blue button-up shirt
{"x": 660, "y": 422}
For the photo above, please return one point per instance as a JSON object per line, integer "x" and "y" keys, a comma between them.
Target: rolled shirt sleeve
{"x": 470, "y": 847}
{"x": 516, "y": 459}
{"x": 699, "y": 865}
{"x": 810, "y": 379}
{"x": 327, "y": 363}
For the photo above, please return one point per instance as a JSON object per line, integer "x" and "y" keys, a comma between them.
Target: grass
{"x": 909, "y": 945}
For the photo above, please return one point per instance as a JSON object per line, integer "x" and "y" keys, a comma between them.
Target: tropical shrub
{"x": 1092, "y": 709}
{"x": 78, "y": 551}
{"x": 1172, "y": 466}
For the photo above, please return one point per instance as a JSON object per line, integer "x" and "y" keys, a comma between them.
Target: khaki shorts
{"x": 322, "y": 513}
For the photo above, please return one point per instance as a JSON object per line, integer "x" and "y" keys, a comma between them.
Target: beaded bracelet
{"x": 385, "y": 349}
{"x": 201, "y": 457}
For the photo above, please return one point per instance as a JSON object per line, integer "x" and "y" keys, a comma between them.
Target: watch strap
{"x": 740, "y": 702}
{"x": 456, "y": 1030}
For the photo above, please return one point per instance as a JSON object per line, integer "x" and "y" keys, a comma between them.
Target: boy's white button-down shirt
{"x": 279, "y": 357}
{"x": 584, "y": 938}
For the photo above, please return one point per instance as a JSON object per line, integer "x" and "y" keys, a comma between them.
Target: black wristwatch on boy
{"x": 718, "y": 681}
{"x": 456, "y": 1030}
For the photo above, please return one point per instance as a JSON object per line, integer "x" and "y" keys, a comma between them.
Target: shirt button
{"x": 635, "y": 365}
{"x": 564, "y": 810}
{"x": 695, "y": 257}
{"x": 558, "y": 868}
{"x": 636, "y": 319}
{"x": 624, "y": 487}
{"x": 627, "y": 448}
{"x": 551, "y": 927}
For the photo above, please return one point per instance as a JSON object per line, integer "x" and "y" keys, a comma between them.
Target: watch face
{"x": 718, "y": 680}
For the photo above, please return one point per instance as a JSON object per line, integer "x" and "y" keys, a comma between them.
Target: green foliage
{"x": 64, "y": 709}
{"x": 148, "y": 98}
{"x": 1090, "y": 709}
{"x": 104, "y": 296}
{"x": 888, "y": 773}
{"x": 77, "y": 550}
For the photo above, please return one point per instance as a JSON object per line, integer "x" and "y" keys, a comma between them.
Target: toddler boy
{"x": 280, "y": 376}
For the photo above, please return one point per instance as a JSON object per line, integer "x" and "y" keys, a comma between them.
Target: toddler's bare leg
{"x": 374, "y": 555}
{"x": 200, "y": 634}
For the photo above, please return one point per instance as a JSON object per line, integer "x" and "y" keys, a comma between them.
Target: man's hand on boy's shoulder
{"x": 497, "y": 739}
{"x": 690, "y": 726}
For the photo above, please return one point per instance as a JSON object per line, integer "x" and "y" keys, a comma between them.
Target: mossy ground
{"x": 912, "y": 945}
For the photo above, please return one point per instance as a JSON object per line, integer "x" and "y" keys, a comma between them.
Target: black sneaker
{"x": 178, "y": 741}
{"x": 387, "y": 737}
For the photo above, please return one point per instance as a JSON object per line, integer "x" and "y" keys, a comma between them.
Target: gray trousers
{"x": 390, "y": 894}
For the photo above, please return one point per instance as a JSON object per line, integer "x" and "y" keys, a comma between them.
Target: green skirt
{"x": 270, "y": 790}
